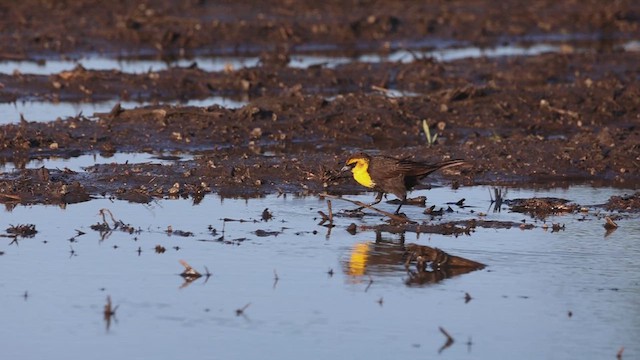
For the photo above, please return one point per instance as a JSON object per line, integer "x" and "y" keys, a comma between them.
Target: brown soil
{"x": 550, "y": 119}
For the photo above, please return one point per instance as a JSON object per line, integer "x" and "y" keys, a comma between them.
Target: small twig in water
{"x": 207, "y": 274}
{"x": 242, "y": 309}
{"x": 109, "y": 312}
{"x": 449, "y": 341}
{"x": 275, "y": 278}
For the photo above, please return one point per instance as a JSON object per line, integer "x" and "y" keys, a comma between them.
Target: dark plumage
{"x": 385, "y": 174}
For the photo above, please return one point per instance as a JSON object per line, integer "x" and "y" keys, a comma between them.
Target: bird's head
{"x": 359, "y": 160}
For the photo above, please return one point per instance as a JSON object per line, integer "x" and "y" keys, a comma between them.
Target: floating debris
{"x": 265, "y": 233}
{"x": 420, "y": 201}
{"x": 266, "y": 215}
{"x": 78, "y": 234}
{"x": 182, "y": 233}
{"x": 330, "y": 272}
{"x": 449, "y": 341}
{"x": 628, "y": 203}
{"x": 352, "y": 229}
{"x": 276, "y": 278}
{"x": 109, "y": 312}
{"x": 459, "y": 203}
{"x": 610, "y": 224}
{"x": 105, "y": 229}
{"x": 467, "y": 297}
{"x": 433, "y": 212}
{"x": 25, "y": 231}
{"x": 542, "y": 207}
{"x": 189, "y": 272}
{"x": 556, "y": 227}
{"x": 242, "y": 309}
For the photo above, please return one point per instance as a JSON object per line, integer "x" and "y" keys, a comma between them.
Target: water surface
{"x": 566, "y": 294}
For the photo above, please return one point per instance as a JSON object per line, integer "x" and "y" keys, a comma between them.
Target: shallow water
{"x": 43, "y": 111}
{"x": 519, "y": 308}
{"x": 79, "y": 163}
{"x": 47, "y": 111}
{"x": 447, "y": 52}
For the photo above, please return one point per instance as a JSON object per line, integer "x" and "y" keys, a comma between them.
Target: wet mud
{"x": 550, "y": 119}
{"x": 565, "y": 113}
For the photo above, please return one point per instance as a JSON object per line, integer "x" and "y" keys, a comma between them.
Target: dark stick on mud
{"x": 395, "y": 217}
{"x": 449, "y": 341}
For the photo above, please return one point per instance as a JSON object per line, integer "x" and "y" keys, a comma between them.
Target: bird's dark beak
{"x": 347, "y": 167}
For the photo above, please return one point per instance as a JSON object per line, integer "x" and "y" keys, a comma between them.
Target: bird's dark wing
{"x": 383, "y": 167}
{"x": 421, "y": 169}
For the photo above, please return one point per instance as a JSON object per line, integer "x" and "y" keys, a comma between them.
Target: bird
{"x": 386, "y": 174}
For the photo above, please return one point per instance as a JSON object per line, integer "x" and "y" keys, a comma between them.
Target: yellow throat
{"x": 360, "y": 173}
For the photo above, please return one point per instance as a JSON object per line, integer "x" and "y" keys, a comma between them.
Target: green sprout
{"x": 430, "y": 140}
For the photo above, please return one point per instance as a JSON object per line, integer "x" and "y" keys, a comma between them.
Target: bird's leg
{"x": 378, "y": 199}
{"x": 402, "y": 201}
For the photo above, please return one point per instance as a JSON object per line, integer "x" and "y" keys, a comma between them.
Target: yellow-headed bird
{"x": 385, "y": 174}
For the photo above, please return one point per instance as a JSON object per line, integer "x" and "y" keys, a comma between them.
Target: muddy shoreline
{"x": 551, "y": 119}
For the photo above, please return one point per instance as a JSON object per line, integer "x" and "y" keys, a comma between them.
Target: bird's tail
{"x": 450, "y": 163}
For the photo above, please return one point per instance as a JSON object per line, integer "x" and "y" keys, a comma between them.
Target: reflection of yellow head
{"x": 358, "y": 259}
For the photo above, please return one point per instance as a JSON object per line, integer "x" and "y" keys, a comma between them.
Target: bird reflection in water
{"x": 423, "y": 264}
